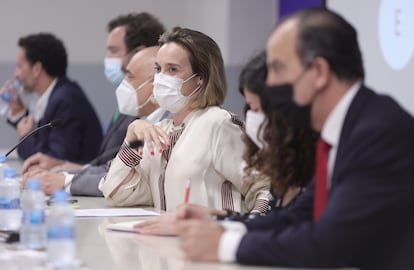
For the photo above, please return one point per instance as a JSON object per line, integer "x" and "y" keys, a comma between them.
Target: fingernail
{"x": 152, "y": 153}
{"x": 140, "y": 153}
{"x": 160, "y": 150}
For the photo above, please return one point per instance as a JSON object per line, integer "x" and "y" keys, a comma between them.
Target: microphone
{"x": 54, "y": 124}
{"x": 136, "y": 144}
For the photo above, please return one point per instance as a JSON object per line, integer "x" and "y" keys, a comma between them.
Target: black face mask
{"x": 279, "y": 99}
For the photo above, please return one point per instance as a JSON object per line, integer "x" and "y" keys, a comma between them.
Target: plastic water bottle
{"x": 10, "y": 212}
{"x": 61, "y": 231}
{"x": 11, "y": 90}
{"x": 3, "y": 165}
{"x": 33, "y": 230}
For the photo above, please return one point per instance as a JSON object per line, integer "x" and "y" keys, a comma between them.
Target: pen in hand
{"x": 187, "y": 190}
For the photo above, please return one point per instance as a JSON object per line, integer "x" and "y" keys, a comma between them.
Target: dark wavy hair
{"x": 289, "y": 155}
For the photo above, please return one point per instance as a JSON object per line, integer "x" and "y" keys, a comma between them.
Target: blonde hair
{"x": 206, "y": 61}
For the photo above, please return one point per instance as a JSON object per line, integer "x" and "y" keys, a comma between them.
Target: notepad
{"x": 114, "y": 212}
{"x": 124, "y": 226}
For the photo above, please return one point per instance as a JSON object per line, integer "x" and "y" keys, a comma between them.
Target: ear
{"x": 137, "y": 49}
{"x": 200, "y": 81}
{"x": 37, "y": 69}
{"x": 323, "y": 72}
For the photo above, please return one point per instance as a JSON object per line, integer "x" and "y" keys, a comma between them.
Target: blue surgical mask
{"x": 113, "y": 70}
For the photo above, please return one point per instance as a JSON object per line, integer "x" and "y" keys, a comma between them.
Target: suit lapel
{"x": 357, "y": 105}
{"x": 109, "y": 133}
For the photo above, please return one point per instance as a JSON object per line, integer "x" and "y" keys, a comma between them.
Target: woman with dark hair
{"x": 279, "y": 141}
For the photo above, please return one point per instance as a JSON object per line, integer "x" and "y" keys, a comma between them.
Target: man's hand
{"x": 25, "y": 125}
{"x": 41, "y": 161}
{"x": 50, "y": 181}
{"x": 16, "y": 105}
{"x": 200, "y": 239}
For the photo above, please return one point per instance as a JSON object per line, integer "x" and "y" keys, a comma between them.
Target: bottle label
{"x": 56, "y": 232}
{"x": 34, "y": 216}
{"x": 9, "y": 203}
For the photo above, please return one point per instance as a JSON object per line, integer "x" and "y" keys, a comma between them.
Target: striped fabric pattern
{"x": 237, "y": 120}
{"x": 227, "y": 196}
{"x": 261, "y": 206}
{"x": 173, "y": 136}
{"x": 128, "y": 156}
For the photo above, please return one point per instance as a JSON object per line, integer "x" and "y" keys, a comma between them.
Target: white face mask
{"x": 113, "y": 70}
{"x": 127, "y": 98}
{"x": 254, "y": 129}
{"x": 167, "y": 92}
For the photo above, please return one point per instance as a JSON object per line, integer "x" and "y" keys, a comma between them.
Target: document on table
{"x": 124, "y": 226}
{"x": 114, "y": 212}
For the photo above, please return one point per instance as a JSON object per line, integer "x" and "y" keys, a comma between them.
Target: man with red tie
{"x": 358, "y": 211}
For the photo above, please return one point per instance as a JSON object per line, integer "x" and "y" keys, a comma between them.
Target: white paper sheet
{"x": 114, "y": 212}
{"x": 124, "y": 226}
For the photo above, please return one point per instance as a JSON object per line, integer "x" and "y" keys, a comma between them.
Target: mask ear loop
{"x": 139, "y": 88}
{"x": 195, "y": 90}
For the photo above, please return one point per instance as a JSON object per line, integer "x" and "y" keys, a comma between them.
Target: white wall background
{"x": 396, "y": 27}
{"x": 240, "y": 27}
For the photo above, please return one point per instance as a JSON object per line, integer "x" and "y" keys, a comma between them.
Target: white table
{"x": 100, "y": 248}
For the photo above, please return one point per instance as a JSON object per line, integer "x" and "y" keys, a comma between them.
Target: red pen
{"x": 187, "y": 190}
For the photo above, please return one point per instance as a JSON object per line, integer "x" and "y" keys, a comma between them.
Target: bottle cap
{"x": 60, "y": 196}
{"x": 16, "y": 84}
{"x": 33, "y": 184}
{"x": 2, "y": 158}
{"x": 9, "y": 172}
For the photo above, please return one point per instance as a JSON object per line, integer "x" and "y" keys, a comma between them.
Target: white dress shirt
{"x": 331, "y": 132}
{"x": 40, "y": 106}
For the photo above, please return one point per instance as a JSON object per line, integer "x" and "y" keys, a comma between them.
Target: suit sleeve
{"x": 362, "y": 207}
{"x": 85, "y": 182}
{"x": 106, "y": 156}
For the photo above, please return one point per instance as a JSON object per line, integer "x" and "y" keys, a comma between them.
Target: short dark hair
{"x": 141, "y": 29}
{"x": 46, "y": 49}
{"x": 324, "y": 33}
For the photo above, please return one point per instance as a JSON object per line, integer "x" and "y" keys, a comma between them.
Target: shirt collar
{"x": 41, "y": 103}
{"x": 156, "y": 115}
{"x": 332, "y": 128}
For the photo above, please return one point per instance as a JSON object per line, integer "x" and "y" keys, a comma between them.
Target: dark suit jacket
{"x": 78, "y": 138}
{"x": 85, "y": 181}
{"x": 369, "y": 219}
{"x": 113, "y": 139}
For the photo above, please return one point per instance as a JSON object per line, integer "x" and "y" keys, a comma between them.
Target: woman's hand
{"x": 153, "y": 136}
{"x": 164, "y": 224}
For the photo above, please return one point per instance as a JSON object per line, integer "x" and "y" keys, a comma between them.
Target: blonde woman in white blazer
{"x": 202, "y": 142}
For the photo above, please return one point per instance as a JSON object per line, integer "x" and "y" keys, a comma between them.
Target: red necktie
{"x": 321, "y": 181}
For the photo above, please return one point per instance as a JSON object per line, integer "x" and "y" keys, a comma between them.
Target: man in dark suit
{"x": 358, "y": 211}
{"x": 41, "y": 68}
{"x": 127, "y": 34}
